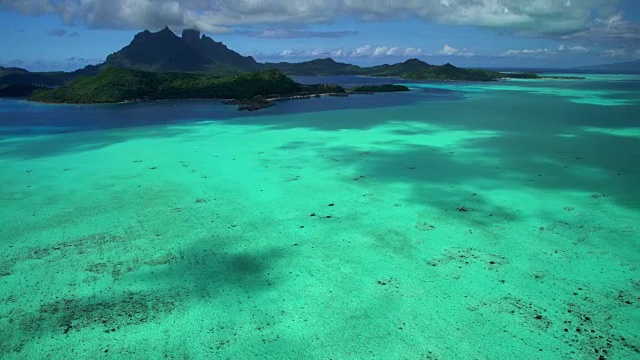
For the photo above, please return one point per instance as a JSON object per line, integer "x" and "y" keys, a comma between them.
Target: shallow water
{"x": 461, "y": 220}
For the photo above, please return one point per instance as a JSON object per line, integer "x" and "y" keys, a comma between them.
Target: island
{"x": 250, "y": 91}
{"x": 164, "y": 66}
{"x": 529, "y": 75}
{"x": 370, "y": 89}
{"x": 193, "y": 52}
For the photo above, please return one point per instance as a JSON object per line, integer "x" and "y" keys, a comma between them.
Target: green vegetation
{"x": 412, "y": 69}
{"x": 17, "y": 76}
{"x": 115, "y": 85}
{"x": 377, "y": 88}
{"x": 528, "y": 75}
{"x": 415, "y": 69}
{"x": 162, "y": 65}
{"x": 318, "y": 67}
{"x": 11, "y": 90}
{"x": 515, "y": 75}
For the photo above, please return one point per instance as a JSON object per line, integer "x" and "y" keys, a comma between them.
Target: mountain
{"x": 17, "y": 76}
{"x": 12, "y": 70}
{"x": 415, "y": 69}
{"x": 412, "y": 69}
{"x": 161, "y": 51}
{"x": 629, "y": 66}
{"x": 165, "y": 51}
{"x": 318, "y": 67}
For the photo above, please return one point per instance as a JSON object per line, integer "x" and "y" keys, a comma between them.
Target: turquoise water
{"x": 460, "y": 220}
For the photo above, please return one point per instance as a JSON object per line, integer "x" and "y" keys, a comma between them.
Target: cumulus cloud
{"x": 364, "y": 51}
{"x": 384, "y": 51}
{"x": 339, "y": 53}
{"x": 560, "y": 50}
{"x": 451, "y": 51}
{"x": 448, "y": 50}
{"x": 411, "y": 51}
{"x": 574, "y": 49}
{"x": 312, "y": 53}
{"x": 288, "y": 53}
{"x": 531, "y": 16}
{"x": 293, "y": 34}
{"x": 526, "y": 52}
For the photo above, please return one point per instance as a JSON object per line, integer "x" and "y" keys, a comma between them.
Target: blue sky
{"x": 69, "y": 34}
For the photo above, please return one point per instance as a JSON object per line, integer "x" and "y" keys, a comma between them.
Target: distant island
{"x": 161, "y": 65}
{"x": 626, "y": 67}
{"x": 412, "y": 69}
{"x": 368, "y": 89}
{"x": 527, "y": 75}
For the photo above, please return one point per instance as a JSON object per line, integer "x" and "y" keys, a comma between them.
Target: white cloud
{"x": 579, "y": 48}
{"x": 411, "y": 51}
{"x": 451, "y": 51}
{"x": 448, "y": 50}
{"x": 531, "y": 16}
{"x": 317, "y": 52}
{"x": 384, "y": 51}
{"x": 303, "y": 53}
{"x": 575, "y": 49}
{"x": 362, "y": 51}
{"x": 287, "y": 53}
{"x": 526, "y": 52}
{"x": 339, "y": 53}
{"x": 365, "y": 51}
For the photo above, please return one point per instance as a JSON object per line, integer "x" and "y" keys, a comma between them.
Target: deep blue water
{"x": 20, "y": 117}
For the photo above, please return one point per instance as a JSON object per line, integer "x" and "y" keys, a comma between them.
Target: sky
{"x": 51, "y": 35}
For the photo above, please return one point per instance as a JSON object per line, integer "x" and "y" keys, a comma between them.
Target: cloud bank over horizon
{"x": 474, "y": 32}
{"x": 531, "y": 17}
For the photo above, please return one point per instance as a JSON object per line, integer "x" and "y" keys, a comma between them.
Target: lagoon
{"x": 459, "y": 220}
